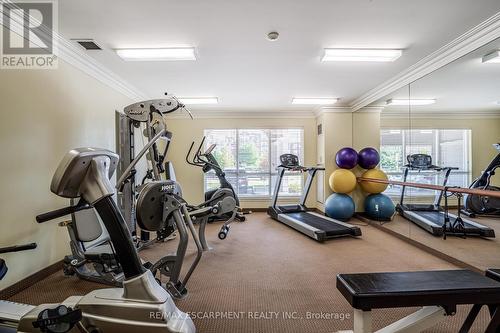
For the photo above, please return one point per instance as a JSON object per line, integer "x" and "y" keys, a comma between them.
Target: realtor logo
{"x": 28, "y": 35}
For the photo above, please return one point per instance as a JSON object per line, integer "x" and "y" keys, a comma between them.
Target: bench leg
{"x": 418, "y": 321}
{"x": 494, "y": 325}
{"x": 362, "y": 321}
{"x": 471, "y": 317}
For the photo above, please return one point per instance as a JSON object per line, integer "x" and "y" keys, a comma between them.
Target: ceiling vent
{"x": 88, "y": 44}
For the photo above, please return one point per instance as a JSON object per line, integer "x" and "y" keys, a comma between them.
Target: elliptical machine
{"x": 480, "y": 204}
{"x": 207, "y": 162}
{"x": 142, "y": 304}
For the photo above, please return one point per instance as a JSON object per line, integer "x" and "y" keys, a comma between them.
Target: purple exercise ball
{"x": 346, "y": 158}
{"x": 368, "y": 158}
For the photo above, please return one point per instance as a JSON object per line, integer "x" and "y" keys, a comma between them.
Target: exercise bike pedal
{"x": 178, "y": 290}
{"x": 58, "y": 320}
{"x": 223, "y": 232}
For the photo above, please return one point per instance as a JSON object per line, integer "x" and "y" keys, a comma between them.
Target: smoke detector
{"x": 272, "y": 36}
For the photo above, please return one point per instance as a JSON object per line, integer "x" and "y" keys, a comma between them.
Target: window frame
{"x": 436, "y": 146}
{"x": 271, "y": 173}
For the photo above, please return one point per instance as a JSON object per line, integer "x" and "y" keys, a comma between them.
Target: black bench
{"x": 438, "y": 292}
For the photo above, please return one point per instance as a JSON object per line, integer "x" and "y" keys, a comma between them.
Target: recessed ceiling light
{"x": 315, "y": 101}
{"x": 163, "y": 54}
{"x": 198, "y": 100}
{"x": 377, "y": 55}
{"x": 493, "y": 57}
{"x": 410, "y": 101}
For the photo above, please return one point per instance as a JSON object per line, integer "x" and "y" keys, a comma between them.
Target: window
{"x": 249, "y": 157}
{"x": 448, "y": 147}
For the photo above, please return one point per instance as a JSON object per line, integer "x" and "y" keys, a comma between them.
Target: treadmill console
{"x": 420, "y": 161}
{"x": 289, "y": 160}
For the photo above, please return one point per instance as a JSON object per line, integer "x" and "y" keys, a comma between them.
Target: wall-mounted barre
{"x": 450, "y": 189}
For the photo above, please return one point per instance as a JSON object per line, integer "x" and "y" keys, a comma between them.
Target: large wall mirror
{"x": 394, "y": 125}
{"x": 452, "y": 115}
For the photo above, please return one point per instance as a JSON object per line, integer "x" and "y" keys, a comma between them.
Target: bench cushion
{"x": 449, "y": 288}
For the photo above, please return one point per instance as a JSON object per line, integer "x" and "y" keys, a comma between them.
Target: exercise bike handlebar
{"x": 17, "y": 248}
{"x": 197, "y": 159}
{"x": 193, "y": 162}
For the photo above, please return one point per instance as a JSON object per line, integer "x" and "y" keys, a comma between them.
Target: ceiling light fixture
{"x": 491, "y": 58}
{"x": 376, "y": 55}
{"x": 198, "y": 100}
{"x": 315, "y": 101}
{"x": 163, "y": 54}
{"x": 412, "y": 102}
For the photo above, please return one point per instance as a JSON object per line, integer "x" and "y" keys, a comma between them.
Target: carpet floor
{"x": 266, "y": 277}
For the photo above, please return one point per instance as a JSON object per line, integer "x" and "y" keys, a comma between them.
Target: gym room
{"x": 250, "y": 166}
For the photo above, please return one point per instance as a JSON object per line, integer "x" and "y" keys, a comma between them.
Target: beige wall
{"x": 346, "y": 129}
{"x": 44, "y": 114}
{"x": 484, "y": 132}
{"x": 191, "y": 178}
{"x": 366, "y": 133}
{"x": 337, "y": 133}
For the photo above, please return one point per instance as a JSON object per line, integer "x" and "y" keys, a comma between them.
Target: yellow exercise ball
{"x": 371, "y": 187}
{"x": 342, "y": 181}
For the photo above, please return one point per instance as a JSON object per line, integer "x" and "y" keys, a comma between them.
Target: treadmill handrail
{"x": 300, "y": 168}
{"x": 430, "y": 168}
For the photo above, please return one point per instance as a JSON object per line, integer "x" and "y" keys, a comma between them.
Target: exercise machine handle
{"x": 17, "y": 248}
{"x": 81, "y": 205}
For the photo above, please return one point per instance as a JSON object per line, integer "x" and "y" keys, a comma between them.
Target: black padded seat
{"x": 446, "y": 288}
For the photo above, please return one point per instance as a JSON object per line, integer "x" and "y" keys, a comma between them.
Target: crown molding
{"x": 346, "y": 109}
{"x": 69, "y": 52}
{"x": 371, "y": 109}
{"x": 476, "y": 37}
{"x": 487, "y": 114}
{"x": 231, "y": 114}
{"x": 331, "y": 109}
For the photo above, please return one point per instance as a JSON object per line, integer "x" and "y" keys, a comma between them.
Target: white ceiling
{"x": 465, "y": 85}
{"x": 247, "y": 72}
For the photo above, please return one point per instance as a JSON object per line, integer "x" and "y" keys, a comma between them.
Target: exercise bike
{"x": 141, "y": 304}
{"x": 207, "y": 162}
{"x": 156, "y": 208}
{"x": 482, "y": 204}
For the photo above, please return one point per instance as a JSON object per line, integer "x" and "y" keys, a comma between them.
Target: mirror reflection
{"x": 443, "y": 130}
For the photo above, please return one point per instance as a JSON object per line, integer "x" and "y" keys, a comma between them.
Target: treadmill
{"x": 314, "y": 225}
{"x": 431, "y": 217}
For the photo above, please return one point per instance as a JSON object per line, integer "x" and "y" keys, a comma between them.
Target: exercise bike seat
{"x": 87, "y": 225}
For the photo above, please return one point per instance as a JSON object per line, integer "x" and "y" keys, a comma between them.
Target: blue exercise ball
{"x": 339, "y": 206}
{"x": 379, "y": 207}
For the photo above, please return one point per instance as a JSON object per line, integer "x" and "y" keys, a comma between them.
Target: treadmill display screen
{"x": 289, "y": 160}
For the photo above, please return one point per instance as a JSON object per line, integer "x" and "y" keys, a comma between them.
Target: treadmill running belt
{"x": 330, "y": 228}
{"x": 438, "y": 218}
